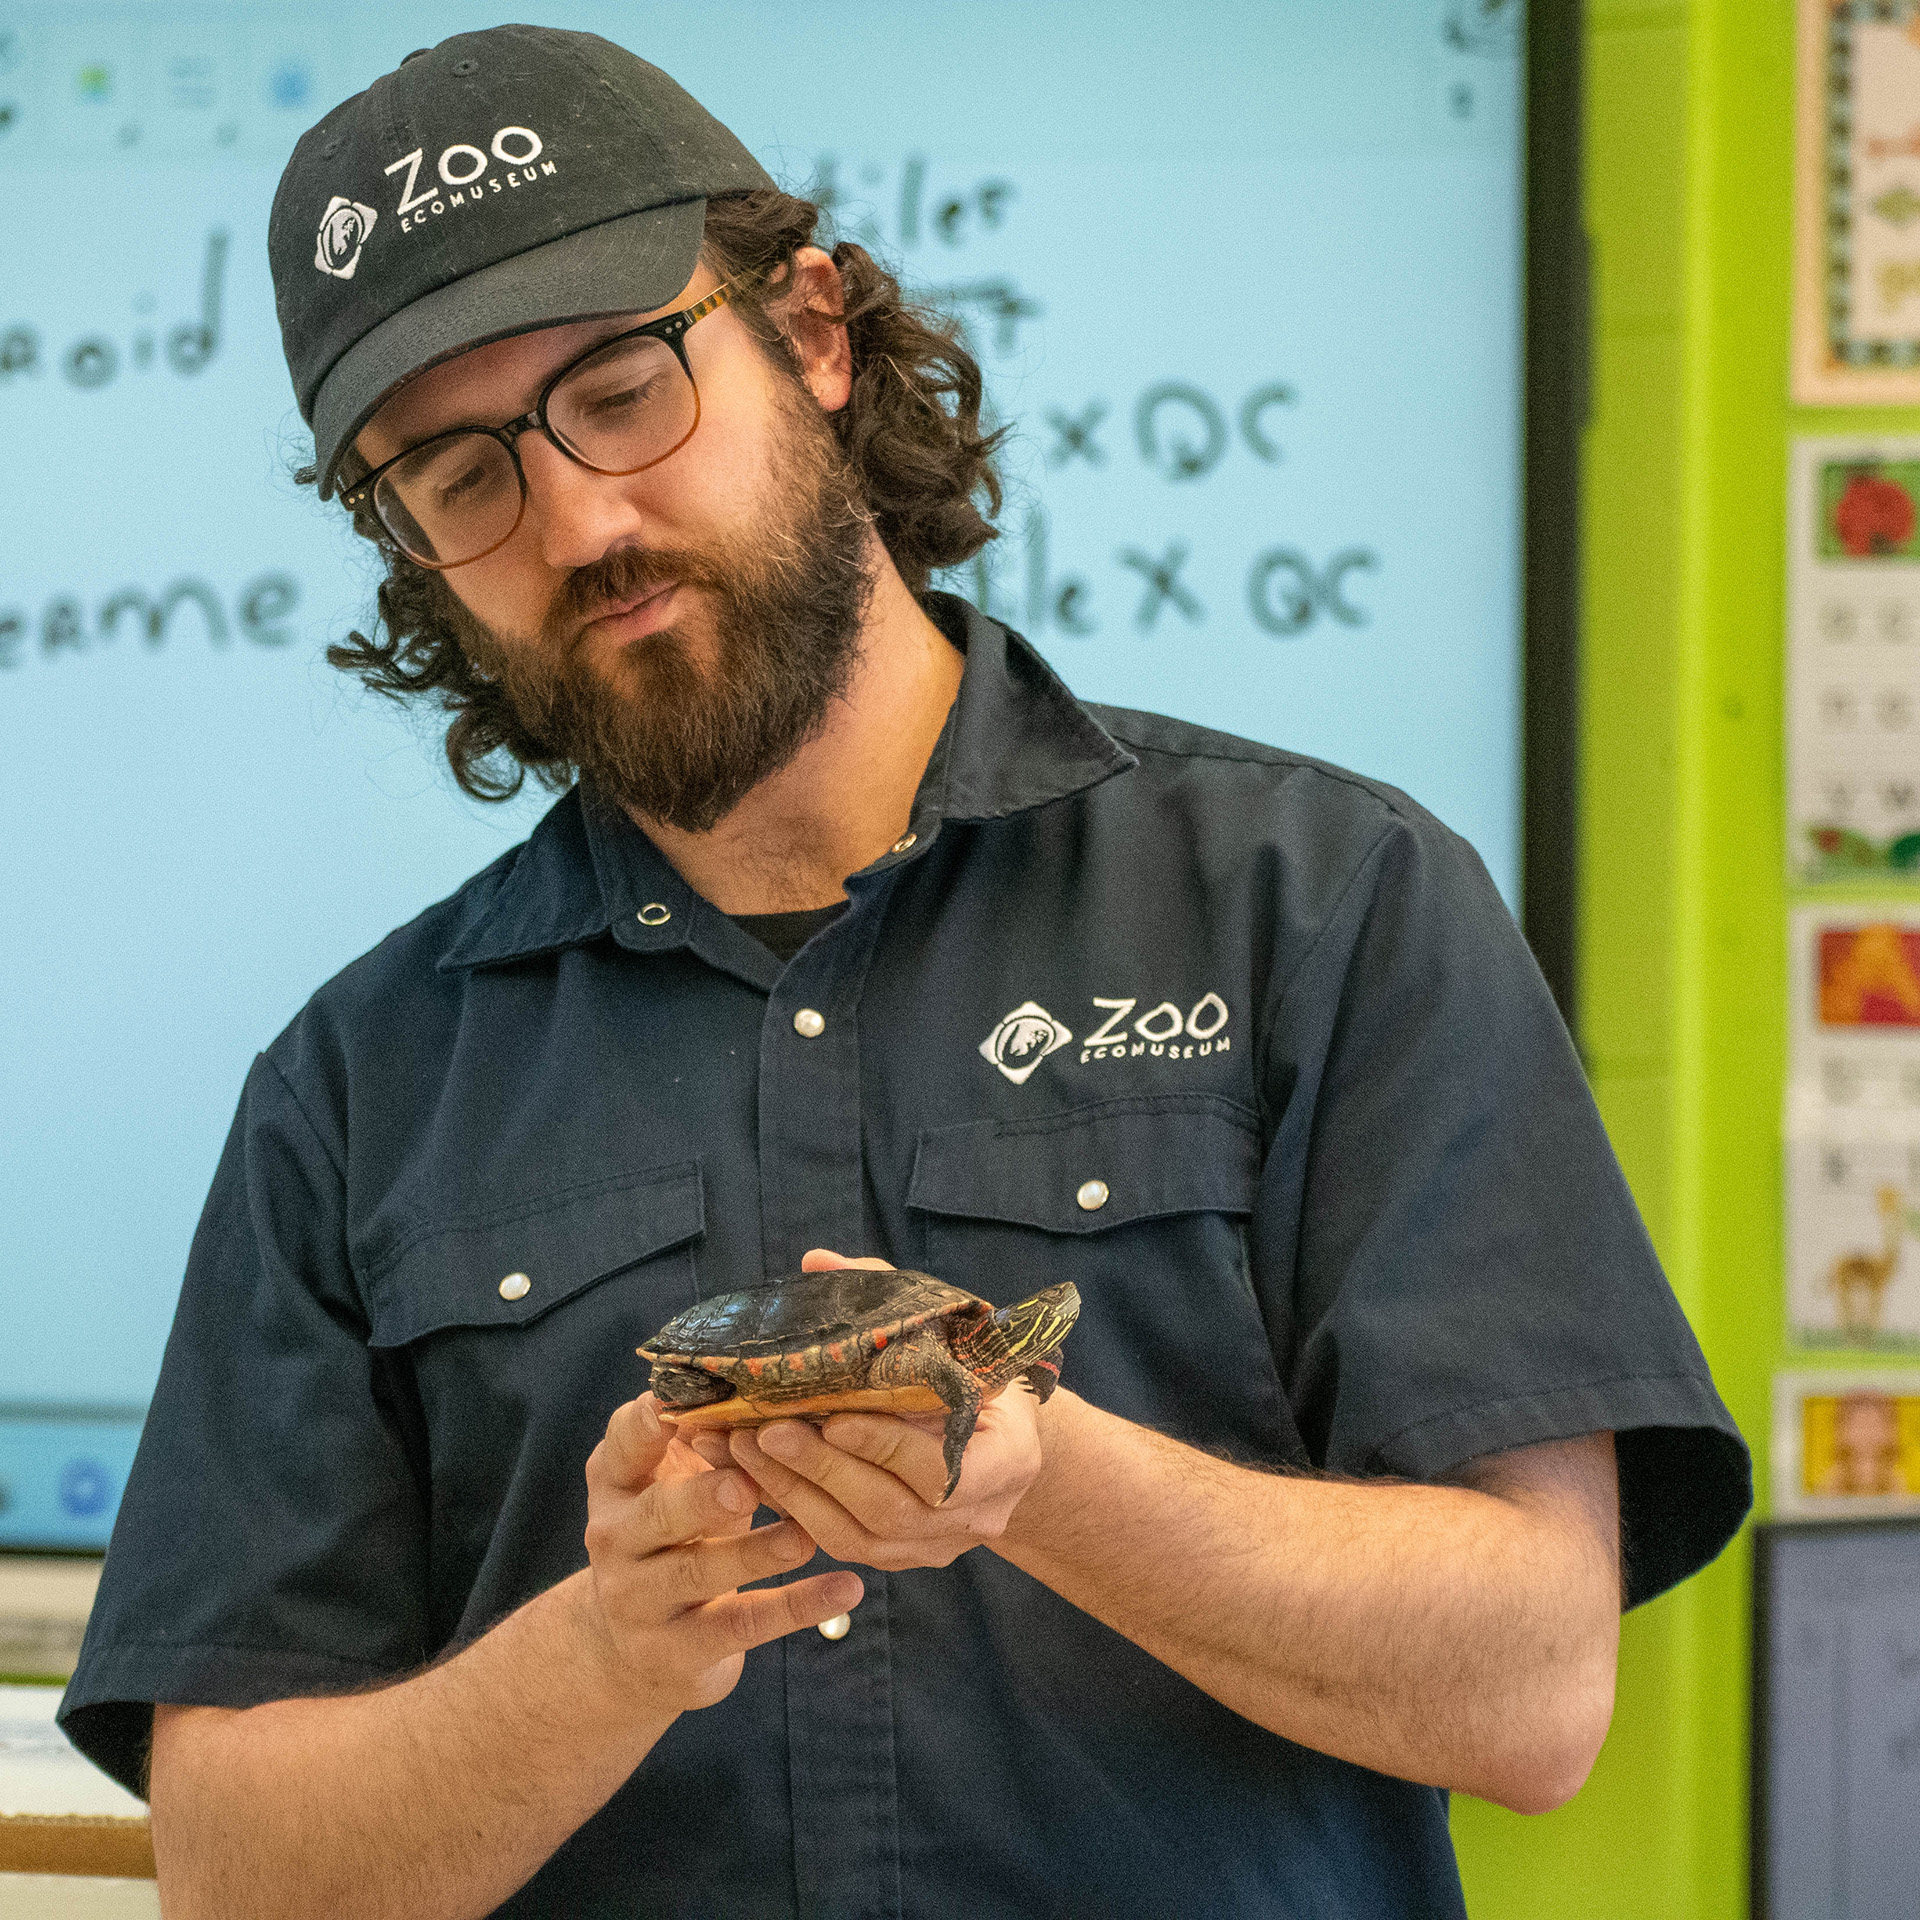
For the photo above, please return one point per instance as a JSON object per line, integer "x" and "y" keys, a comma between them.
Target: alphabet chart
{"x": 1853, "y": 660}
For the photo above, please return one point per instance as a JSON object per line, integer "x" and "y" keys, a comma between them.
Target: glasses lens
{"x": 450, "y": 499}
{"x": 625, "y": 408}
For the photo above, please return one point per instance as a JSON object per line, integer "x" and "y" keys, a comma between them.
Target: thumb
{"x": 634, "y": 1445}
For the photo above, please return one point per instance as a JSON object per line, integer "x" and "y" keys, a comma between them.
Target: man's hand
{"x": 436, "y": 1797}
{"x": 867, "y": 1486}
{"x": 670, "y": 1539}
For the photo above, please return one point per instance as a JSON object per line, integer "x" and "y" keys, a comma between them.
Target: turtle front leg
{"x": 922, "y": 1359}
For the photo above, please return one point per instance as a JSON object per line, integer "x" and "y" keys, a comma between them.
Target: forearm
{"x": 431, "y": 1799}
{"x": 1441, "y": 1634}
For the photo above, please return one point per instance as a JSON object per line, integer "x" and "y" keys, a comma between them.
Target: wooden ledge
{"x": 76, "y": 1843}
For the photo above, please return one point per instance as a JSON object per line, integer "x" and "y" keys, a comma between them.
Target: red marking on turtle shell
{"x": 879, "y": 1341}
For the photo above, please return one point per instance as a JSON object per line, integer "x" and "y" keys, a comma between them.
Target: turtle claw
{"x": 960, "y": 1425}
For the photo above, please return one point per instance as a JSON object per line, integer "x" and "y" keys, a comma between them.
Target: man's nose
{"x": 578, "y": 515}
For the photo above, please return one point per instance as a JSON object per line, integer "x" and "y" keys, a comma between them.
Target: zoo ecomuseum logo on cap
{"x": 343, "y": 232}
{"x": 1023, "y": 1039}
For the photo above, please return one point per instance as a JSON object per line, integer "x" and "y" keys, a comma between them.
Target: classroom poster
{"x": 1856, "y": 313}
{"x": 1853, "y": 1127}
{"x": 1853, "y": 660}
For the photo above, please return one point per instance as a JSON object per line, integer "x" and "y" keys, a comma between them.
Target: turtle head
{"x": 1005, "y": 1342}
{"x": 1036, "y": 1329}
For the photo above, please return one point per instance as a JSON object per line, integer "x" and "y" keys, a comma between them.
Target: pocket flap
{"x": 451, "y": 1274}
{"x": 1093, "y": 1168}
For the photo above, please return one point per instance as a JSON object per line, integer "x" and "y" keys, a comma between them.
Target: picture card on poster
{"x": 1853, "y": 1127}
{"x": 1856, "y": 307}
{"x": 1846, "y": 1445}
{"x": 1853, "y": 660}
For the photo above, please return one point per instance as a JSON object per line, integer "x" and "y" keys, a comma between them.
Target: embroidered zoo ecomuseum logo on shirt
{"x": 1023, "y": 1039}
{"x": 1165, "y": 1031}
{"x": 461, "y": 179}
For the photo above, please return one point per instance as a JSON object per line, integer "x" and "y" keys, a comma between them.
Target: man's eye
{"x": 619, "y": 402}
{"x": 467, "y": 487}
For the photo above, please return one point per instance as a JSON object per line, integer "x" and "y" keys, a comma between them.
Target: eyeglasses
{"x": 623, "y": 406}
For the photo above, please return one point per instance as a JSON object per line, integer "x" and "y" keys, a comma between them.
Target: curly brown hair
{"x": 910, "y": 430}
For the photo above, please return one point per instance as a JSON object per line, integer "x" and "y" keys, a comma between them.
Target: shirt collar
{"x": 1016, "y": 739}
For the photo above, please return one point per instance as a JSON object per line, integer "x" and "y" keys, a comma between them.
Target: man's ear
{"x": 819, "y": 341}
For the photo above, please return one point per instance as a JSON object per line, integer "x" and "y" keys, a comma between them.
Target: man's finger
{"x": 825, "y": 1260}
{"x": 712, "y": 1447}
{"x": 774, "y": 1481}
{"x": 738, "y": 1622}
{"x": 876, "y": 1499}
{"x": 823, "y": 1516}
{"x": 672, "y": 1512}
{"x": 908, "y": 1452}
{"x": 692, "y": 1575}
{"x": 634, "y": 1444}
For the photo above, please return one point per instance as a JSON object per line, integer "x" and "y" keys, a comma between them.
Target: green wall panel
{"x": 1689, "y": 141}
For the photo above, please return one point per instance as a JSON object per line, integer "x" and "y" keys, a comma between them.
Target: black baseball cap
{"x": 501, "y": 181}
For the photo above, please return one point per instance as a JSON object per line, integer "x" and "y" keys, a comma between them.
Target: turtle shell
{"x": 802, "y": 1318}
{"x": 804, "y": 1344}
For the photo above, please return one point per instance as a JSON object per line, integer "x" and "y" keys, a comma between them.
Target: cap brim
{"x": 629, "y": 265}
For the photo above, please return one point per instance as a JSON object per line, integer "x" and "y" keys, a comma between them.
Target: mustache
{"x": 615, "y": 580}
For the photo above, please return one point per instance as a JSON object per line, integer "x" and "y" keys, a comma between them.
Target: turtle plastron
{"x": 745, "y": 1410}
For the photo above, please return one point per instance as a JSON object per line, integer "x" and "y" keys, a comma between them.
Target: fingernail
{"x": 781, "y": 1442}
{"x": 733, "y": 1496}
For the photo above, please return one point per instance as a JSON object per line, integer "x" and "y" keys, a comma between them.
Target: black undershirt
{"x": 784, "y": 934}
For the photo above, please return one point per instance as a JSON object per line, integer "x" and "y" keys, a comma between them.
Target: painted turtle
{"x": 856, "y": 1339}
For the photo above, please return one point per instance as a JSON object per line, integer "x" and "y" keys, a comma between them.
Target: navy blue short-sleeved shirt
{"x": 1361, "y": 1215}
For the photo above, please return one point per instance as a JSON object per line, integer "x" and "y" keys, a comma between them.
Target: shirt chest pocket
{"x": 1142, "y": 1204}
{"x": 575, "y": 1278}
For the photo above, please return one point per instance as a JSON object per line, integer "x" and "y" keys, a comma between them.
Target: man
{"x": 858, "y": 937}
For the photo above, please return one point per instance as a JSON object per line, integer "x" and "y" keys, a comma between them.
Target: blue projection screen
{"x": 1245, "y": 279}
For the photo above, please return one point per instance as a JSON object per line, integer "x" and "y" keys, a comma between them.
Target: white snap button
{"x": 808, "y": 1024}
{"x": 904, "y": 842}
{"x": 516, "y": 1286}
{"x": 837, "y": 1628}
{"x": 654, "y": 914}
{"x": 1093, "y": 1196}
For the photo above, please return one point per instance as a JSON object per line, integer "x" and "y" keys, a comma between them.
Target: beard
{"x": 657, "y": 733}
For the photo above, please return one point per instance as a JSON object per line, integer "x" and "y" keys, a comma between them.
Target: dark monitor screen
{"x": 1836, "y": 1806}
